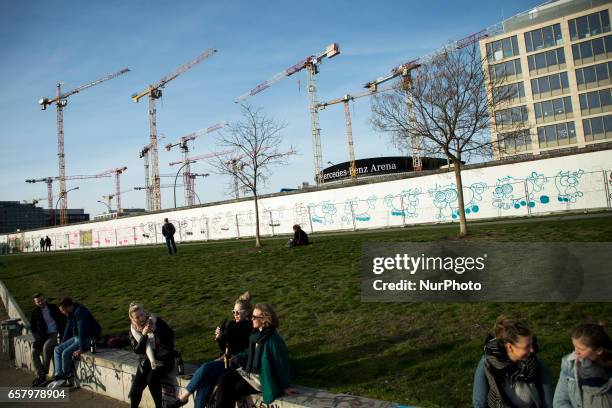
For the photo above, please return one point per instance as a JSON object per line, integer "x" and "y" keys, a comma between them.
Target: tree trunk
{"x": 257, "y": 239}
{"x": 460, "y": 203}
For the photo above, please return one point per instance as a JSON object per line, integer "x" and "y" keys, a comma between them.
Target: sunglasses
{"x": 257, "y": 317}
{"x": 235, "y": 312}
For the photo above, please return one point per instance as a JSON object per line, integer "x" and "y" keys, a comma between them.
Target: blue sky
{"x": 77, "y": 42}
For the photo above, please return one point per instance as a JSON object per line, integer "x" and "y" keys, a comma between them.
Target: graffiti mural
{"x": 358, "y": 208}
{"x": 405, "y": 204}
{"x": 323, "y": 212}
{"x": 567, "y": 184}
{"x": 445, "y": 199}
{"x": 86, "y": 238}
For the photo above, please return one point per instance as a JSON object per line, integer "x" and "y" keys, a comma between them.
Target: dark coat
{"x": 81, "y": 323}
{"x": 39, "y": 326}
{"x": 168, "y": 230}
{"x": 164, "y": 335}
{"x": 235, "y": 336}
{"x": 300, "y": 237}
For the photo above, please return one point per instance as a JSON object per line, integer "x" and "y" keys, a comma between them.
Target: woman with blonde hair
{"x": 262, "y": 368}
{"x": 232, "y": 339}
{"x": 586, "y": 373}
{"x": 509, "y": 375}
{"x": 153, "y": 340}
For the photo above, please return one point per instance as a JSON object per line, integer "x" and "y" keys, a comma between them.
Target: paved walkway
{"x": 12, "y": 377}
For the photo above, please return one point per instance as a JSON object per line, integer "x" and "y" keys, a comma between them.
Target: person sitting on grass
{"x": 232, "y": 338}
{"x": 262, "y": 368}
{"x": 509, "y": 374}
{"x": 585, "y": 380}
{"x": 81, "y": 329}
{"x": 299, "y": 237}
{"x": 153, "y": 340}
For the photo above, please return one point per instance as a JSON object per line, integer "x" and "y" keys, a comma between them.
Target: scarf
{"x": 256, "y": 346}
{"x": 499, "y": 368}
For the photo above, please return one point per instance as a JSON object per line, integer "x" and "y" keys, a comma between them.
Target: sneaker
{"x": 56, "y": 383}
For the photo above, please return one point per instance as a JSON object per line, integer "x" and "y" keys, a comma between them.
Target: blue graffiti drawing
{"x": 445, "y": 199}
{"x": 567, "y": 184}
{"x": 510, "y": 192}
{"x": 323, "y": 212}
{"x": 359, "y": 208}
{"x": 405, "y": 204}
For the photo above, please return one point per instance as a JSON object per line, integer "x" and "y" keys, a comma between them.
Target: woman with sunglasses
{"x": 262, "y": 368}
{"x": 509, "y": 375}
{"x": 233, "y": 338}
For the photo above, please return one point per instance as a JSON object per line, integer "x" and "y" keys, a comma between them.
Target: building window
{"x": 593, "y": 50}
{"x": 505, "y": 70}
{"x": 594, "y": 76}
{"x": 557, "y": 135}
{"x": 511, "y": 116}
{"x": 499, "y": 50}
{"x": 514, "y": 142}
{"x": 587, "y": 26}
{"x": 553, "y": 110}
{"x": 596, "y": 101}
{"x": 509, "y": 93}
{"x": 597, "y": 128}
{"x": 543, "y": 61}
{"x": 543, "y": 38}
{"x": 550, "y": 85}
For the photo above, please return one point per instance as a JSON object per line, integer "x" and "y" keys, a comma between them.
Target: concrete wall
{"x": 532, "y": 187}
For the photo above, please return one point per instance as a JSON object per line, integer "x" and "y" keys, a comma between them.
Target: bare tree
{"x": 445, "y": 110}
{"x": 255, "y": 142}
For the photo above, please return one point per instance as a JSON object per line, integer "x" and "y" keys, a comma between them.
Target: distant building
{"x": 113, "y": 213}
{"x": 15, "y": 215}
{"x": 557, "y": 61}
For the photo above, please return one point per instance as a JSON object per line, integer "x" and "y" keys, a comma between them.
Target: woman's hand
{"x": 147, "y": 329}
{"x": 217, "y": 333}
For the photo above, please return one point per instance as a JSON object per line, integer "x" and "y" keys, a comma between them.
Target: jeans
{"x": 46, "y": 354}
{"x": 147, "y": 377}
{"x": 171, "y": 245}
{"x": 62, "y": 358}
{"x": 232, "y": 387}
{"x": 204, "y": 379}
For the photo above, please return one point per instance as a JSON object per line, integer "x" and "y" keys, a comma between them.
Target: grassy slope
{"x": 422, "y": 353}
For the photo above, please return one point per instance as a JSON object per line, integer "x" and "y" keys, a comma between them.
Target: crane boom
{"x": 202, "y": 157}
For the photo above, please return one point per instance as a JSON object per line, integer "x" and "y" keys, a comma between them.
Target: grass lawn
{"x": 418, "y": 353}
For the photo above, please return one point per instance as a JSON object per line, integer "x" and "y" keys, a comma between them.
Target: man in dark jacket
{"x": 80, "y": 330}
{"x": 168, "y": 231}
{"x": 46, "y": 321}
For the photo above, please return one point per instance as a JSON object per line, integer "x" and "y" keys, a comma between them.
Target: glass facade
{"x": 596, "y": 101}
{"x": 593, "y": 50}
{"x": 512, "y": 116}
{"x": 543, "y": 60}
{"x": 549, "y": 85}
{"x": 557, "y": 135}
{"x": 589, "y": 25}
{"x": 594, "y": 75}
{"x": 505, "y": 69}
{"x": 502, "y": 49}
{"x": 552, "y": 110}
{"x": 597, "y": 128}
{"x": 543, "y": 38}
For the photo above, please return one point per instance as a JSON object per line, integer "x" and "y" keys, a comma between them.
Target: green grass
{"x": 419, "y": 353}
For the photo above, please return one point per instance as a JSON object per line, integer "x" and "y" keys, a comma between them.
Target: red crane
{"x": 61, "y": 100}
{"x": 154, "y": 92}
{"x": 311, "y": 64}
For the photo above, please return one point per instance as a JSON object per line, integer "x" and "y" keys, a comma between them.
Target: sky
{"x": 76, "y": 42}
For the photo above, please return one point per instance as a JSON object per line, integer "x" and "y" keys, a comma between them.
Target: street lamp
{"x": 106, "y": 204}
{"x": 58, "y": 200}
{"x": 176, "y": 177}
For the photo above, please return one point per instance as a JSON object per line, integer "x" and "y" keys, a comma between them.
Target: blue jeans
{"x": 62, "y": 356}
{"x": 204, "y": 380}
{"x": 171, "y": 245}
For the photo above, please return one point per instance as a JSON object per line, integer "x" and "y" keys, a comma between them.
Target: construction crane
{"x": 144, "y": 154}
{"x": 61, "y": 100}
{"x": 311, "y": 64}
{"x": 49, "y": 181}
{"x": 189, "y": 178}
{"x": 154, "y": 92}
{"x": 117, "y": 172}
{"x": 109, "y": 197}
{"x": 182, "y": 143}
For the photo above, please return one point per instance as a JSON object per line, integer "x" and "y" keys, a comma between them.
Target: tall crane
{"x": 154, "y": 92}
{"x": 144, "y": 154}
{"x": 49, "y": 181}
{"x": 189, "y": 179}
{"x": 182, "y": 143}
{"x": 311, "y": 64}
{"x": 117, "y": 172}
{"x": 109, "y": 197}
{"x": 61, "y": 100}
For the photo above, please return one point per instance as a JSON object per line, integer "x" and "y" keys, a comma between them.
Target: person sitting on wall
{"x": 586, "y": 374}
{"x": 232, "y": 338}
{"x": 299, "y": 237}
{"x": 509, "y": 374}
{"x": 168, "y": 231}
{"x": 81, "y": 329}
{"x": 46, "y": 322}
{"x": 153, "y": 340}
{"x": 262, "y": 368}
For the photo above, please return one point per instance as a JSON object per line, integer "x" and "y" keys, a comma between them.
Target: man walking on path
{"x": 80, "y": 330}
{"x": 47, "y": 321}
{"x": 168, "y": 231}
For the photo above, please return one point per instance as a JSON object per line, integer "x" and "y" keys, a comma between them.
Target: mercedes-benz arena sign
{"x": 378, "y": 166}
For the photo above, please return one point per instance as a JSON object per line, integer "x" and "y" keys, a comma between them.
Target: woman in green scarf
{"x": 262, "y": 368}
